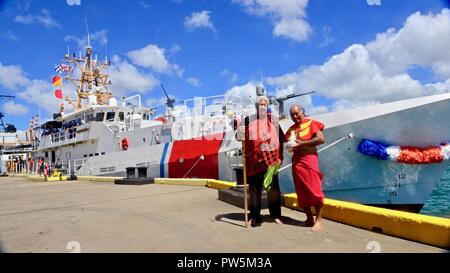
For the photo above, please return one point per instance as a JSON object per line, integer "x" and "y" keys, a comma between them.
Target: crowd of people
{"x": 38, "y": 166}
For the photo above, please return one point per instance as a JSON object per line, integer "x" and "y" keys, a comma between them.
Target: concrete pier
{"x": 64, "y": 216}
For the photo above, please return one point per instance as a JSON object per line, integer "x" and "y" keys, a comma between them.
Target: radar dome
{"x": 92, "y": 99}
{"x": 112, "y": 102}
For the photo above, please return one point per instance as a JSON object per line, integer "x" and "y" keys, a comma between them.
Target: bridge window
{"x": 100, "y": 116}
{"x": 110, "y": 115}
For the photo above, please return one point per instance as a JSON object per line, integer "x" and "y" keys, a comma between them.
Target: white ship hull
{"x": 352, "y": 176}
{"x": 348, "y": 175}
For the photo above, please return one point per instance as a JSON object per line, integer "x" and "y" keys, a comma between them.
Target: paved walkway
{"x": 103, "y": 217}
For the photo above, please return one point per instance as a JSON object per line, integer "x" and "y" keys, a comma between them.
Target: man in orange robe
{"x": 305, "y": 164}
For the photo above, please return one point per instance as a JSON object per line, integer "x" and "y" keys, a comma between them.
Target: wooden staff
{"x": 244, "y": 165}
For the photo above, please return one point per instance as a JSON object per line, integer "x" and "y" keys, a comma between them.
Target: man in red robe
{"x": 305, "y": 164}
{"x": 263, "y": 148}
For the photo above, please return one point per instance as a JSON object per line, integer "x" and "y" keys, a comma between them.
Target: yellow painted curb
{"x": 421, "y": 228}
{"x": 182, "y": 181}
{"x": 220, "y": 185}
{"x": 41, "y": 178}
{"x": 210, "y": 183}
{"x": 98, "y": 178}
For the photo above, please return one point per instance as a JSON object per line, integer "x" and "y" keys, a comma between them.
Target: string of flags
{"x": 60, "y": 68}
{"x": 405, "y": 154}
{"x": 57, "y": 81}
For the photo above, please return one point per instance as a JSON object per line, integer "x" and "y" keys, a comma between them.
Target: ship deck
{"x": 104, "y": 217}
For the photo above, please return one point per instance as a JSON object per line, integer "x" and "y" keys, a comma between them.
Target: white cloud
{"x": 154, "y": 57}
{"x": 9, "y": 36}
{"x": 199, "y": 20}
{"x": 174, "y": 49}
{"x": 150, "y": 56}
{"x": 247, "y": 92}
{"x": 194, "y": 82}
{"x": 24, "y": 19}
{"x": 288, "y": 16}
{"x": 34, "y": 92}
{"x": 373, "y": 2}
{"x": 378, "y": 71}
{"x": 317, "y": 110}
{"x": 44, "y": 18}
{"x": 152, "y": 102}
{"x": 350, "y": 104}
{"x": 73, "y": 2}
{"x": 351, "y": 75}
{"x": 327, "y": 38}
{"x": 126, "y": 78}
{"x": 31, "y": 90}
{"x": 439, "y": 87}
{"x": 232, "y": 77}
{"x": 12, "y": 76}
{"x": 423, "y": 40}
{"x": 100, "y": 37}
{"x": 144, "y": 4}
{"x": 12, "y": 108}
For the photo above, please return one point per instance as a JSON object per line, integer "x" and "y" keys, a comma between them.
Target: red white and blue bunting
{"x": 405, "y": 154}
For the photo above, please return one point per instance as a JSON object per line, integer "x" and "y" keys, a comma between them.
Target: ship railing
{"x": 212, "y": 106}
{"x": 78, "y": 163}
{"x": 34, "y": 168}
{"x": 64, "y": 135}
{"x": 112, "y": 126}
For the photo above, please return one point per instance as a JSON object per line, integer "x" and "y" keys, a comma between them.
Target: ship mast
{"x": 91, "y": 82}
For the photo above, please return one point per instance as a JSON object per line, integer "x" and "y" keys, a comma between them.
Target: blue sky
{"x": 351, "y": 52}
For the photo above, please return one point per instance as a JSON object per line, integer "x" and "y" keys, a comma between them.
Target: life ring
{"x": 124, "y": 144}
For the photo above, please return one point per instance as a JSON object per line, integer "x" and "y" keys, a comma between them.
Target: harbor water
{"x": 439, "y": 202}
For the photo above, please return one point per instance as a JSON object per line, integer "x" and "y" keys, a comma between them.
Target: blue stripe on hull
{"x": 163, "y": 159}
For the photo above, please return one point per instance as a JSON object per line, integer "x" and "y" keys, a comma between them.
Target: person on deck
{"x": 263, "y": 150}
{"x": 306, "y": 134}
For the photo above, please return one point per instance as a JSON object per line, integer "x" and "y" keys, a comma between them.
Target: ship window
{"x": 121, "y": 116}
{"x": 85, "y": 155}
{"x": 96, "y": 154}
{"x": 100, "y": 116}
{"x": 90, "y": 118}
{"x": 90, "y": 155}
{"x": 103, "y": 153}
{"x": 110, "y": 115}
